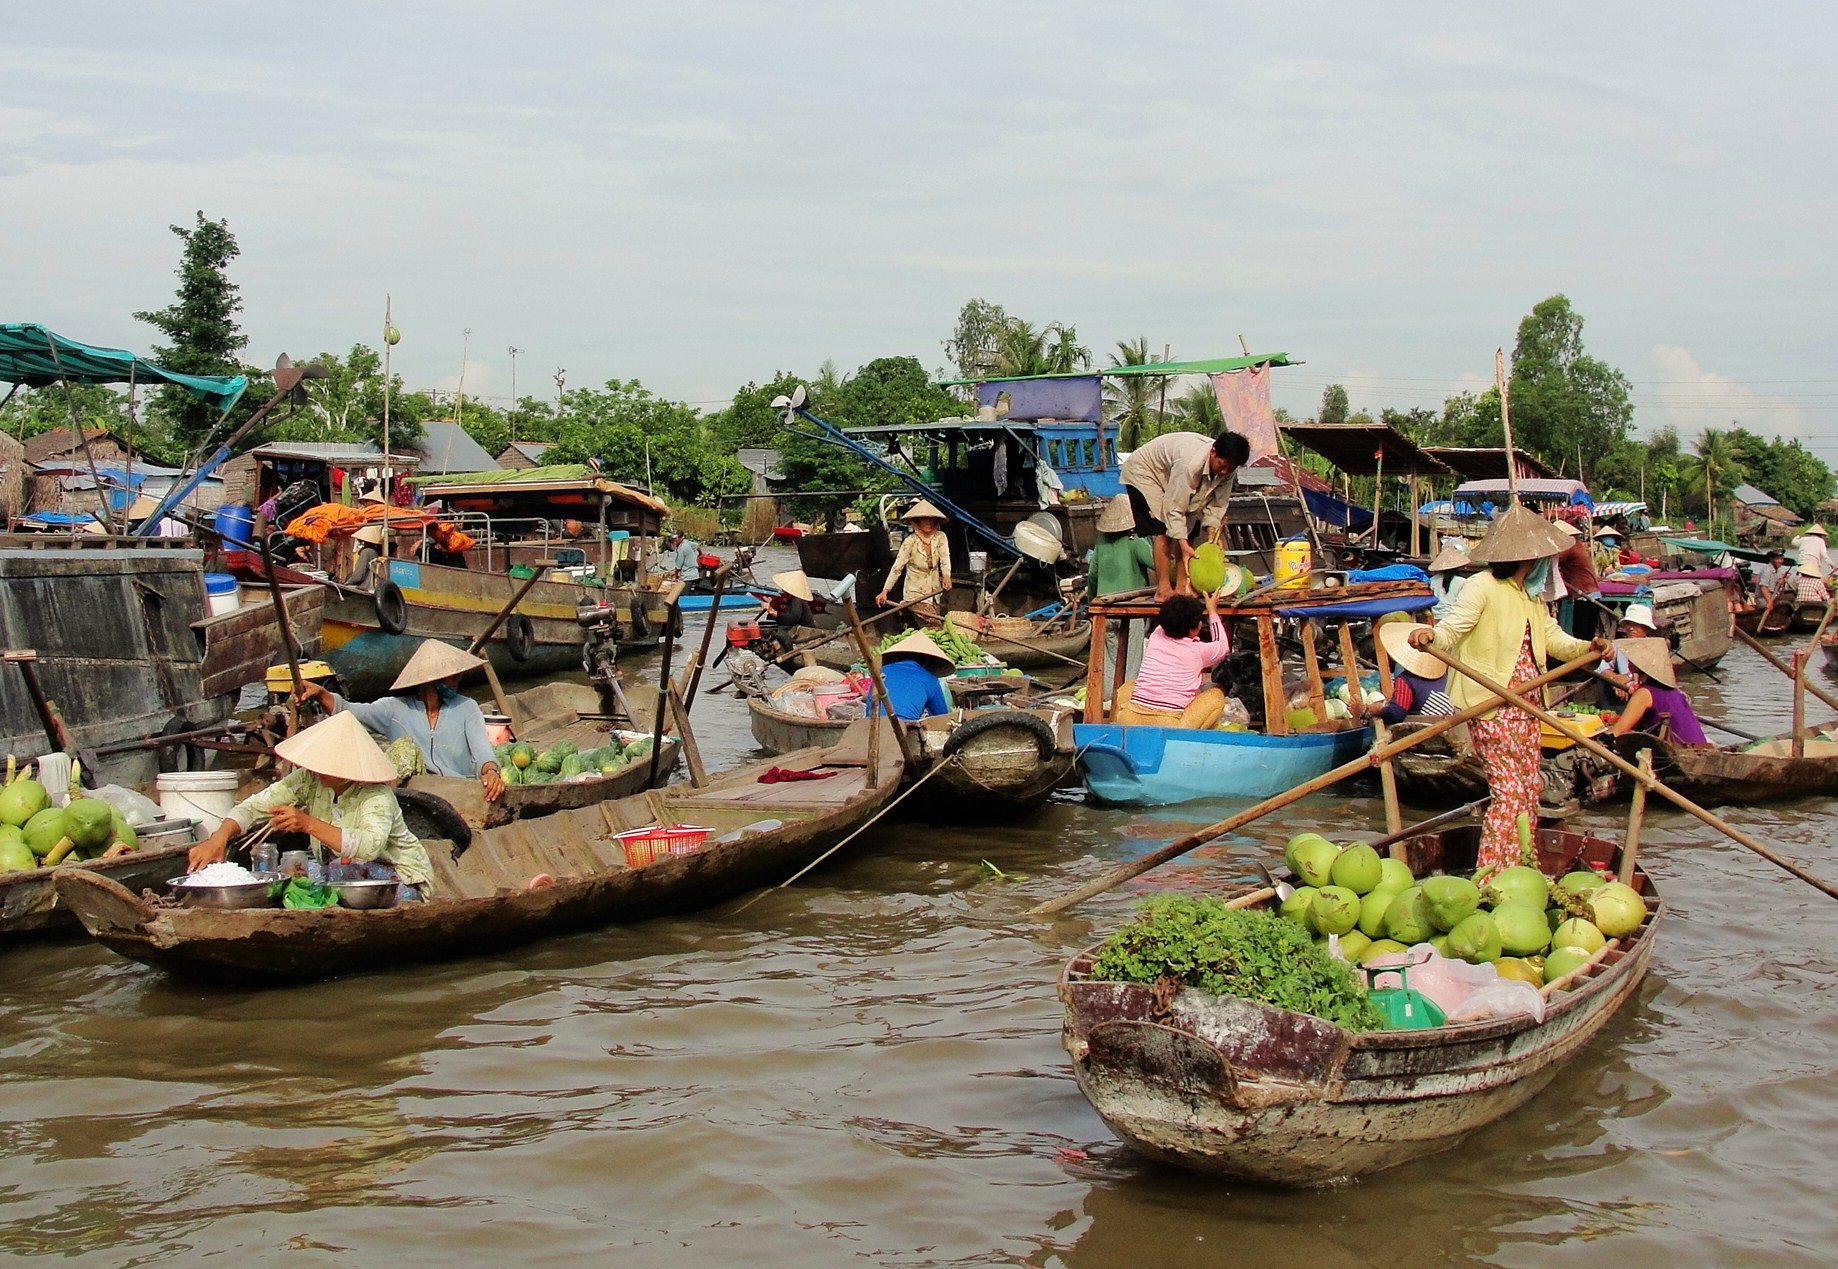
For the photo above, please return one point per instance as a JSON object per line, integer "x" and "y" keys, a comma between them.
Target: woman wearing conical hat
{"x": 1500, "y": 625}
{"x": 792, "y": 613}
{"x": 911, "y": 669}
{"x": 338, "y": 794}
{"x": 427, "y": 711}
{"x": 1654, "y": 703}
{"x": 924, "y": 560}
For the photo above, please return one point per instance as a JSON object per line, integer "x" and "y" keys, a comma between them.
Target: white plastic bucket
{"x": 979, "y": 561}
{"x": 205, "y": 796}
{"x": 220, "y": 591}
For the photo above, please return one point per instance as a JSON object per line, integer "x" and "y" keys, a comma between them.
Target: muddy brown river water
{"x": 865, "y": 1069}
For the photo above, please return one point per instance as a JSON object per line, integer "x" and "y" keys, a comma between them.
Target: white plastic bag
{"x": 137, "y": 809}
{"x": 1445, "y": 982}
{"x": 1502, "y": 998}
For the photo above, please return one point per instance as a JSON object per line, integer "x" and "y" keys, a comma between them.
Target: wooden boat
{"x": 1236, "y": 1089}
{"x": 544, "y": 716}
{"x": 1038, "y": 653}
{"x": 1156, "y": 766}
{"x": 1754, "y": 772}
{"x": 1438, "y": 772}
{"x": 1770, "y": 619}
{"x": 29, "y": 906}
{"x": 1007, "y": 760}
{"x": 484, "y": 900}
{"x": 1694, "y": 612}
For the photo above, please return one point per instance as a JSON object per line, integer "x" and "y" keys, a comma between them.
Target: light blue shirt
{"x": 454, "y": 746}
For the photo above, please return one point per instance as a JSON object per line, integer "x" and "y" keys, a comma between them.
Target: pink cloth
{"x": 1173, "y": 670}
{"x": 1244, "y": 402}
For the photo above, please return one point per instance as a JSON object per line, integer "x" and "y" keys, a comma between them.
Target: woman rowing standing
{"x": 924, "y": 559}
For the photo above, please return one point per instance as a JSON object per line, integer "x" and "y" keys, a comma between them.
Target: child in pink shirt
{"x": 1172, "y": 688}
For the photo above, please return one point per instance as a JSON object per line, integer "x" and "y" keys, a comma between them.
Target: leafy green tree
{"x": 1064, "y": 354}
{"x": 1783, "y": 469}
{"x": 1334, "y": 404}
{"x": 1566, "y": 405}
{"x": 750, "y": 421}
{"x": 892, "y": 390}
{"x": 1131, "y": 401}
{"x": 636, "y": 436}
{"x": 1417, "y": 423}
{"x": 1021, "y": 350}
{"x": 200, "y": 326}
{"x": 1198, "y": 409}
{"x": 1713, "y": 469}
{"x": 1471, "y": 420}
{"x": 348, "y": 404}
{"x": 36, "y": 410}
{"x": 974, "y": 343}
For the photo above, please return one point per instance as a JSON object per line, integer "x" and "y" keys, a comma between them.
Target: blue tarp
{"x": 1328, "y": 509}
{"x": 1388, "y": 573}
{"x": 1363, "y": 610}
{"x": 1074, "y": 400}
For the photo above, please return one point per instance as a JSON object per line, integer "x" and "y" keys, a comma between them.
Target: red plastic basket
{"x": 646, "y": 845}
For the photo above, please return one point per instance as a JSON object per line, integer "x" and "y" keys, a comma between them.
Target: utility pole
{"x": 514, "y": 351}
{"x": 459, "y": 396}
{"x": 561, "y": 377}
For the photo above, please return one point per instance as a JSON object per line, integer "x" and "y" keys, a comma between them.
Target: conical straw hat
{"x": 1394, "y": 636}
{"x": 373, "y": 495}
{"x": 1818, "y": 529}
{"x": 432, "y": 662}
{"x": 923, "y": 510}
{"x": 339, "y": 747}
{"x": 919, "y": 644}
{"x": 1519, "y": 535}
{"x": 1117, "y": 516}
{"x": 1449, "y": 559}
{"x": 1651, "y": 657}
{"x": 795, "y": 584}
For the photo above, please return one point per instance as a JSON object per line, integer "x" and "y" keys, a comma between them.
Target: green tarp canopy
{"x": 38, "y": 358}
{"x": 1216, "y": 365}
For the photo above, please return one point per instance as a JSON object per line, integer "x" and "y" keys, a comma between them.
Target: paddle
{"x": 1647, "y": 779}
{"x": 1777, "y": 663}
{"x": 1372, "y": 758}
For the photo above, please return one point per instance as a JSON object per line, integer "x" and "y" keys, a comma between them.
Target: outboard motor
{"x": 602, "y": 631}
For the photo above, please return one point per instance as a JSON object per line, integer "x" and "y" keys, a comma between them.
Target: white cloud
{"x": 1691, "y": 398}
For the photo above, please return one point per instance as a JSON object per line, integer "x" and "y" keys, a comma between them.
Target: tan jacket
{"x": 1485, "y": 626}
{"x": 1172, "y": 474}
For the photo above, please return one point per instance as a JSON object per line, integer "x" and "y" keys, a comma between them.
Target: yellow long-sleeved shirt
{"x": 1484, "y": 628}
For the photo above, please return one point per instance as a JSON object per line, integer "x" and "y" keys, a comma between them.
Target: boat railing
{"x": 494, "y": 535}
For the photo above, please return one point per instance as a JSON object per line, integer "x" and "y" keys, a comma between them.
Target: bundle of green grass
{"x": 521, "y": 763}
{"x": 1516, "y": 919}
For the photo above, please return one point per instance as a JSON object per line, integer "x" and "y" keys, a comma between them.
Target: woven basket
{"x": 1009, "y": 627}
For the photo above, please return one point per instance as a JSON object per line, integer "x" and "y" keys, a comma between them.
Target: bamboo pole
{"x": 873, "y": 663}
{"x": 1768, "y": 656}
{"x": 708, "y": 633}
{"x": 692, "y": 752}
{"x": 1388, "y": 783}
{"x": 663, "y": 693}
{"x": 1181, "y": 845}
{"x": 1800, "y": 660}
{"x": 1636, "y": 818}
{"x": 1614, "y": 759}
{"x": 281, "y": 623}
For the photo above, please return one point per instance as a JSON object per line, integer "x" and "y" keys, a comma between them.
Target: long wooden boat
{"x": 1046, "y": 654}
{"x": 485, "y": 899}
{"x": 1769, "y": 619}
{"x": 1003, "y": 760}
{"x": 1755, "y": 772}
{"x": 546, "y": 716}
{"x": 1695, "y": 612}
{"x": 29, "y": 906}
{"x": 1438, "y": 772}
{"x": 1157, "y": 766}
{"x": 1236, "y": 1089}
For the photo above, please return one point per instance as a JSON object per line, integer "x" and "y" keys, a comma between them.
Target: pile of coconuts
{"x": 35, "y": 834}
{"x": 1524, "y": 924}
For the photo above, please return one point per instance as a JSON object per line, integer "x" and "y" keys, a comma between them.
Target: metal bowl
{"x": 366, "y": 894}
{"x": 243, "y": 894}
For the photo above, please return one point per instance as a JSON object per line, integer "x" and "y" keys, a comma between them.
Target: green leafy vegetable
{"x": 1252, "y": 954}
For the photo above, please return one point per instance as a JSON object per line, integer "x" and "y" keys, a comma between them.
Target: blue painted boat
{"x": 731, "y": 601}
{"x": 1155, "y": 766}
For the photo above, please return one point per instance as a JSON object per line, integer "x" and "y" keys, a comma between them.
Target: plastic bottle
{"x": 265, "y": 859}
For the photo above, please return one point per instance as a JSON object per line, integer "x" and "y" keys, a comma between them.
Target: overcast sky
{"x": 700, "y": 194}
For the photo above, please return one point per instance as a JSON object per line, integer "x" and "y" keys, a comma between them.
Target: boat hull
{"x": 1235, "y": 1089}
{"x": 29, "y": 906}
{"x": 1158, "y": 766}
{"x": 1723, "y": 777}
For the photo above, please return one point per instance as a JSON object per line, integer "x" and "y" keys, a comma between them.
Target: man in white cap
{"x": 427, "y": 710}
{"x": 339, "y": 794}
{"x": 1180, "y": 486}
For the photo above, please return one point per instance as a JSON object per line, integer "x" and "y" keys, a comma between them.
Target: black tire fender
{"x": 984, "y": 720}
{"x": 519, "y": 637}
{"x": 392, "y": 608}
{"x": 641, "y": 624}
{"x": 430, "y": 815}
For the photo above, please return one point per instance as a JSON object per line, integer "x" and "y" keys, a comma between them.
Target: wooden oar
{"x": 476, "y": 647}
{"x": 1768, "y": 656}
{"x": 280, "y": 617}
{"x": 1372, "y": 758}
{"x": 1651, "y": 782}
{"x": 708, "y": 633}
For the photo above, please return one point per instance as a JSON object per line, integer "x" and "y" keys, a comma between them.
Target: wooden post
{"x": 280, "y": 617}
{"x": 663, "y": 692}
{"x": 1349, "y": 664}
{"x": 1311, "y": 669}
{"x": 1777, "y": 663}
{"x": 692, "y": 753}
{"x": 1799, "y": 703}
{"x": 55, "y": 730}
{"x": 873, "y": 663}
{"x": 1276, "y": 701}
{"x": 1181, "y": 845}
{"x": 1416, "y": 536}
{"x": 1378, "y": 495}
{"x": 708, "y": 633}
{"x": 1120, "y": 672}
{"x": 1094, "y": 669}
{"x": 1383, "y": 661}
{"x": 1388, "y": 784}
{"x": 1636, "y": 817}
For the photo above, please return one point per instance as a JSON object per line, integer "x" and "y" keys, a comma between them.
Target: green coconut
{"x": 1582, "y": 882}
{"x": 1311, "y": 857}
{"x": 21, "y": 800}
{"x": 1519, "y": 970}
{"x": 1618, "y": 910}
{"x": 1451, "y": 900}
{"x": 1394, "y": 874}
{"x": 1295, "y": 907}
{"x": 1358, "y": 869}
{"x": 1579, "y": 935}
{"x": 1476, "y": 939}
{"x": 1519, "y": 884}
{"x": 1523, "y": 929}
{"x": 1381, "y": 947}
{"x": 44, "y": 831}
{"x": 15, "y": 855}
{"x": 1563, "y": 961}
{"x": 1408, "y": 918}
{"x": 1206, "y": 570}
{"x": 88, "y": 821}
{"x": 1333, "y": 910}
{"x": 1372, "y": 909}
{"x": 1353, "y": 945}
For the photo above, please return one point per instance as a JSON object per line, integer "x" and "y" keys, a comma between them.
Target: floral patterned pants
{"x": 1508, "y": 747}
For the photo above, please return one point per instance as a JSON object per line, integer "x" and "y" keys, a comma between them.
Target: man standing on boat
{"x": 1179, "y": 486}
{"x": 1814, "y": 560}
{"x": 678, "y": 561}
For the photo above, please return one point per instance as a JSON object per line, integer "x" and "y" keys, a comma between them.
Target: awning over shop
{"x": 38, "y": 358}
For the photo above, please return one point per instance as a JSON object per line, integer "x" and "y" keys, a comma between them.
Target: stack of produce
{"x": 521, "y": 763}
{"x": 35, "y": 834}
{"x": 951, "y": 641}
{"x": 1516, "y": 919}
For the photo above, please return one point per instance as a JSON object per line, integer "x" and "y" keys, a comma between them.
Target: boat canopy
{"x": 1609, "y": 510}
{"x": 566, "y": 487}
{"x": 37, "y": 358}
{"x": 1572, "y": 493}
{"x": 1157, "y": 369}
{"x": 1364, "y": 449}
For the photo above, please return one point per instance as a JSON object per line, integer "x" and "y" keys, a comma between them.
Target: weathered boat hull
{"x": 1721, "y": 777}
{"x": 1235, "y": 1089}
{"x": 1046, "y": 653}
{"x": 29, "y": 906}
{"x": 1158, "y": 766}
{"x": 591, "y": 888}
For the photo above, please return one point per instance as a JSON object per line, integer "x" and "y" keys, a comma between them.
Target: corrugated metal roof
{"x": 1754, "y": 497}
{"x": 445, "y": 447}
{"x": 348, "y": 453}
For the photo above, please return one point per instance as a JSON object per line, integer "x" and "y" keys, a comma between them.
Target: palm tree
{"x": 1130, "y": 397}
{"x": 1022, "y": 350}
{"x": 1198, "y": 408}
{"x": 1713, "y": 468}
{"x": 1066, "y": 355}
